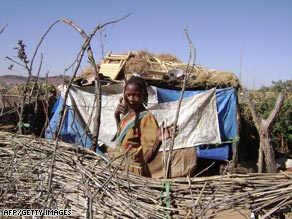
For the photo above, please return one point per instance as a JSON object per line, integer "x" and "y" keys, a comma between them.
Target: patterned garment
{"x": 133, "y": 140}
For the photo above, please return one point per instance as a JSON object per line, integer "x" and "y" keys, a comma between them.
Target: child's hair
{"x": 141, "y": 83}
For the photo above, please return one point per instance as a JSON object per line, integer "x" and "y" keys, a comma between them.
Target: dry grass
{"x": 84, "y": 182}
{"x": 148, "y": 64}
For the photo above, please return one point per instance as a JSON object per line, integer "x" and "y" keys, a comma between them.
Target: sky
{"x": 250, "y": 38}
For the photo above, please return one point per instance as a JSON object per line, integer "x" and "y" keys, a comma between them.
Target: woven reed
{"x": 84, "y": 182}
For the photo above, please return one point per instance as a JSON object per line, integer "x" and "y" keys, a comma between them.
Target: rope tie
{"x": 165, "y": 198}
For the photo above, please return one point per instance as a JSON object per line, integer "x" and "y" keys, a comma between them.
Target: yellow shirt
{"x": 136, "y": 137}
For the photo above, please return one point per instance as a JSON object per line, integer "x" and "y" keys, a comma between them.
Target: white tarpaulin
{"x": 197, "y": 123}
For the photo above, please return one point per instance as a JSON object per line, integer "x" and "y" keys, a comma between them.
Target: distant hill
{"x": 9, "y": 81}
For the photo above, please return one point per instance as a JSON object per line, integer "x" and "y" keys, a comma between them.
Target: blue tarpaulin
{"x": 72, "y": 130}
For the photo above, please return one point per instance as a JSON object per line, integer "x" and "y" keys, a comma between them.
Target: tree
{"x": 266, "y": 151}
{"x": 280, "y": 132}
{"x": 278, "y": 86}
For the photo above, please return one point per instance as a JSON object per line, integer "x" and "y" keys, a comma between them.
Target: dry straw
{"x": 148, "y": 64}
{"x": 88, "y": 185}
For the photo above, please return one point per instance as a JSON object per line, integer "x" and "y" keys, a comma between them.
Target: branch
{"x": 1, "y": 31}
{"x": 36, "y": 80}
{"x": 278, "y": 105}
{"x": 254, "y": 112}
{"x": 188, "y": 70}
{"x": 97, "y": 99}
{"x": 42, "y": 39}
{"x": 67, "y": 21}
{"x": 18, "y": 63}
{"x": 85, "y": 45}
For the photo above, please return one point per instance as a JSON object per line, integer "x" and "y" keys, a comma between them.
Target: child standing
{"x": 138, "y": 137}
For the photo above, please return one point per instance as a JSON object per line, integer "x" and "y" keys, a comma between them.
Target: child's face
{"x": 134, "y": 96}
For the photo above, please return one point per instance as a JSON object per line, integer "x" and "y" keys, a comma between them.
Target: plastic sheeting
{"x": 220, "y": 124}
{"x": 226, "y": 101}
{"x": 197, "y": 120}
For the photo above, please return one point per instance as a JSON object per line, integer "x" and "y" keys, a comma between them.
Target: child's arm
{"x": 121, "y": 109}
{"x": 161, "y": 133}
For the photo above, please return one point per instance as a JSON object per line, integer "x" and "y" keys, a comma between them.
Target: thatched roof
{"x": 156, "y": 68}
{"x": 82, "y": 181}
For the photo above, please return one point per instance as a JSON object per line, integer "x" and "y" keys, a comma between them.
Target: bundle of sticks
{"x": 38, "y": 173}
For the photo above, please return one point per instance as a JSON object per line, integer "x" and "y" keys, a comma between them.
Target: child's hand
{"x": 165, "y": 132}
{"x": 121, "y": 108}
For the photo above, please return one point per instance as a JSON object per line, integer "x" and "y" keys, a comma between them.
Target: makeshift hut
{"x": 208, "y": 124}
{"x": 61, "y": 180}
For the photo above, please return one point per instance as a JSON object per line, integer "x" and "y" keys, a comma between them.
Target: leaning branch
{"x": 85, "y": 46}
{"x": 39, "y": 44}
{"x": 279, "y": 103}
{"x": 255, "y": 115}
{"x": 188, "y": 71}
{"x": 2, "y": 30}
{"x": 97, "y": 99}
